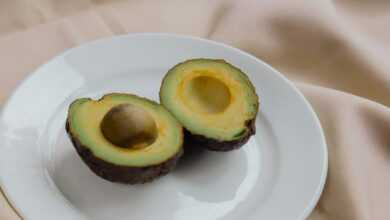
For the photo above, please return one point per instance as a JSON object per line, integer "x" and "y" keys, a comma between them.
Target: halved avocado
{"x": 125, "y": 138}
{"x": 214, "y": 101}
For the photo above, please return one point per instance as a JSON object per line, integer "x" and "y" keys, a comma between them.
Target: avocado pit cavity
{"x": 207, "y": 95}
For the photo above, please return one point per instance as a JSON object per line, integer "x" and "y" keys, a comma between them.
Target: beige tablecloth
{"x": 336, "y": 51}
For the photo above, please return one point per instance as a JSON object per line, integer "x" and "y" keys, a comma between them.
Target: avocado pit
{"x": 129, "y": 126}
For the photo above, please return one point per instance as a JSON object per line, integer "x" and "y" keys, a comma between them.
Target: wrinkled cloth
{"x": 336, "y": 51}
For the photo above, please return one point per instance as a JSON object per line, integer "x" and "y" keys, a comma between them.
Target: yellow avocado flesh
{"x": 86, "y": 115}
{"x": 210, "y": 98}
{"x": 214, "y": 102}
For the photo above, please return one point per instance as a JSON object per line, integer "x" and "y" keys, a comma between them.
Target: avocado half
{"x": 214, "y": 101}
{"x": 125, "y": 138}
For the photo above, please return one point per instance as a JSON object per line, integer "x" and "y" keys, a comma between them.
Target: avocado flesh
{"x": 117, "y": 163}
{"x": 214, "y": 101}
{"x": 193, "y": 140}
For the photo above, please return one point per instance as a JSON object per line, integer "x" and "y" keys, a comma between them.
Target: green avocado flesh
{"x": 211, "y": 98}
{"x": 92, "y": 122}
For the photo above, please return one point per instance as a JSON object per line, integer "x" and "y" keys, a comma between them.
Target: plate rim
{"x": 325, "y": 166}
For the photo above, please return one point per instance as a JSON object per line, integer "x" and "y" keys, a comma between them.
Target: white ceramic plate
{"x": 278, "y": 175}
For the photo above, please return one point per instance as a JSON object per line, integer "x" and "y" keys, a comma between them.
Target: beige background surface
{"x": 336, "y": 51}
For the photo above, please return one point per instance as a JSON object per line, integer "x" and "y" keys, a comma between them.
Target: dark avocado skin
{"x": 194, "y": 140}
{"x": 122, "y": 174}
